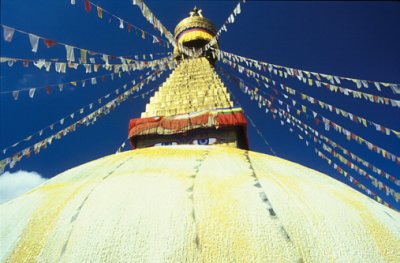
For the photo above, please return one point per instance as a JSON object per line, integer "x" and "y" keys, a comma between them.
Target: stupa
{"x": 191, "y": 191}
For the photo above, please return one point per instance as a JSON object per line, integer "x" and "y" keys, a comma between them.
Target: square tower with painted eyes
{"x": 192, "y": 106}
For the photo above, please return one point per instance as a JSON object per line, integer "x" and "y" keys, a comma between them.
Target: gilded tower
{"x": 192, "y": 106}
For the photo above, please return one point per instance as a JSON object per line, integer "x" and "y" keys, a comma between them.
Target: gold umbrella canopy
{"x": 196, "y": 204}
{"x": 194, "y": 31}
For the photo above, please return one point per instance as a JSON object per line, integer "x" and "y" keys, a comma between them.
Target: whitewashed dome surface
{"x": 196, "y": 204}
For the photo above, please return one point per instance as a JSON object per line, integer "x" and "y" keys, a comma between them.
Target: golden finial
{"x": 196, "y": 12}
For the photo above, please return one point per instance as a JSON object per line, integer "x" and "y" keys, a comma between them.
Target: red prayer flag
{"x": 88, "y": 7}
{"x": 49, "y": 43}
{"x": 48, "y": 90}
{"x": 129, "y": 27}
{"x": 25, "y": 62}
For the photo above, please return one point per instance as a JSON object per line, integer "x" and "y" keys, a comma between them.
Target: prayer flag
{"x": 99, "y": 12}
{"x": 48, "y": 90}
{"x": 31, "y": 92}
{"x": 121, "y": 23}
{"x": 8, "y": 33}
{"x": 15, "y": 94}
{"x": 70, "y": 53}
{"x": 395, "y": 88}
{"x": 155, "y": 39}
{"x": 88, "y": 7}
{"x": 83, "y": 56}
{"x": 49, "y": 43}
{"x": 34, "y": 40}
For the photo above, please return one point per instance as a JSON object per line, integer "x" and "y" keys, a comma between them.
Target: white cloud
{"x": 15, "y": 184}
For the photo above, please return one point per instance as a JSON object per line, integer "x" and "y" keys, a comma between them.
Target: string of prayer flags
{"x": 355, "y": 157}
{"x": 121, "y": 22}
{"x": 353, "y": 117}
{"x": 61, "y": 67}
{"x": 341, "y": 130}
{"x": 70, "y": 50}
{"x": 122, "y": 146}
{"x": 230, "y": 20}
{"x": 152, "y": 19}
{"x": 314, "y": 137}
{"x": 31, "y": 91}
{"x": 317, "y": 77}
{"x": 330, "y": 87}
{"x": 88, "y": 120}
{"x": 284, "y": 116}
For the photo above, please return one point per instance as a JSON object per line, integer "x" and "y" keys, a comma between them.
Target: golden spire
{"x": 195, "y": 12}
{"x": 192, "y": 106}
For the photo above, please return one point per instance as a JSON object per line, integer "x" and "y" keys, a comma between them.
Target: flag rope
{"x": 349, "y": 135}
{"x": 330, "y": 87}
{"x": 298, "y": 73}
{"x": 230, "y": 20}
{"x": 338, "y": 111}
{"x": 381, "y": 186}
{"x": 87, "y": 120}
{"x": 101, "y": 10}
{"x": 74, "y": 83}
{"x": 70, "y": 54}
{"x": 61, "y": 67}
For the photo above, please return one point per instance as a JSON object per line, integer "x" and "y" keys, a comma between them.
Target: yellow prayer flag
{"x": 364, "y": 121}
{"x": 83, "y": 56}
{"x": 310, "y": 82}
{"x": 143, "y": 35}
{"x": 99, "y": 12}
{"x": 73, "y": 83}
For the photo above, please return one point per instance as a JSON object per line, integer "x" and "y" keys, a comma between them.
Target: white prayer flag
{"x": 31, "y": 92}
{"x": 47, "y": 65}
{"x": 58, "y": 67}
{"x": 70, "y": 53}
{"x": 121, "y": 23}
{"x": 34, "y": 40}
{"x": 15, "y": 94}
{"x": 40, "y": 63}
{"x": 395, "y": 88}
{"x": 8, "y": 33}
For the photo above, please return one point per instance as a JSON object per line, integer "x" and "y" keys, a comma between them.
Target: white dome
{"x": 196, "y": 204}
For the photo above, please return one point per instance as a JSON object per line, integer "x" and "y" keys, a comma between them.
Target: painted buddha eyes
{"x": 205, "y": 141}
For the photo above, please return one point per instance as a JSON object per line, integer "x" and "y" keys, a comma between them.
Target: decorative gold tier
{"x": 195, "y": 21}
{"x": 193, "y": 86}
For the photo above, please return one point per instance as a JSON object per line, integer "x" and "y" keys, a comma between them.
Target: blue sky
{"x": 351, "y": 39}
